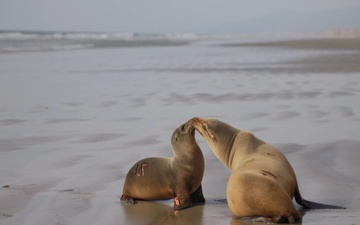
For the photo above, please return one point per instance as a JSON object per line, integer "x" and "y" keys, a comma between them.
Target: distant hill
{"x": 293, "y": 21}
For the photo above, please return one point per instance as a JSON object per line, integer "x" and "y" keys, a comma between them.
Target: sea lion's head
{"x": 183, "y": 134}
{"x": 217, "y": 134}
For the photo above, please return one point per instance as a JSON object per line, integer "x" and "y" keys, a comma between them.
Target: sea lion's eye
{"x": 183, "y": 127}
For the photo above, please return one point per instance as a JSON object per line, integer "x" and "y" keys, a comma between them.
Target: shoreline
{"x": 321, "y": 43}
{"x": 37, "y": 44}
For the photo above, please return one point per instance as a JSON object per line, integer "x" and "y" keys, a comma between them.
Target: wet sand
{"x": 72, "y": 123}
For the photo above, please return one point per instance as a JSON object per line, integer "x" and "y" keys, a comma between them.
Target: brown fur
{"x": 263, "y": 182}
{"x": 178, "y": 177}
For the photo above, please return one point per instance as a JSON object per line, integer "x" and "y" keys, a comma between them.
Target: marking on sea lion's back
{"x": 143, "y": 168}
{"x": 265, "y": 173}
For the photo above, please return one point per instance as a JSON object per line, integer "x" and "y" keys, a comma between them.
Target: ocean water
{"x": 21, "y": 41}
{"x": 77, "y": 110}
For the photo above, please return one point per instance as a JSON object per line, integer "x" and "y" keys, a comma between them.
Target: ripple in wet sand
{"x": 316, "y": 114}
{"x": 254, "y": 115}
{"x": 92, "y": 138}
{"x": 26, "y": 142}
{"x": 149, "y": 140}
{"x": 286, "y": 115}
{"x": 128, "y": 119}
{"x": 72, "y": 104}
{"x": 64, "y": 120}
{"x": 107, "y": 104}
{"x": 138, "y": 102}
{"x": 345, "y": 111}
{"x": 7, "y": 122}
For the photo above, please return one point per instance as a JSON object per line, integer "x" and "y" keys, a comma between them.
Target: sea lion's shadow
{"x": 160, "y": 212}
{"x": 249, "y": 220}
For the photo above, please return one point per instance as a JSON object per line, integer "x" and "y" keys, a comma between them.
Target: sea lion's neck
{"x": 223, "y": 151}
{"x": 244, "y": 143}
{"x": 188, "y": 154}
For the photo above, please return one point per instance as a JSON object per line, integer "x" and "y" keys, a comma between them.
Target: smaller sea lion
{"x": 178, "y": 177}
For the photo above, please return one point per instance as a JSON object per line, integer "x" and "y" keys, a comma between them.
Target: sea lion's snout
{"x": 195, "y": 122}
{"x": 188, "y": 127}
{"x": 202, "y": 127}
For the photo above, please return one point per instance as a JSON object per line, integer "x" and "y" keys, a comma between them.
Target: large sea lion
{"x": 262, "y": 183}
{"x": 178, "y": 177}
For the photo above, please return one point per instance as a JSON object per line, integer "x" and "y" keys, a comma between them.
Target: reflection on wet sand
{"x": 157, "y": 213}
{"x": 250, "y": 220}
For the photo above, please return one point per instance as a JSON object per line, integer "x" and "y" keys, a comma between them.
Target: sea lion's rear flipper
{"x": 197, "y": 196}
{"x": 315, "y": 205}
{"x": 127, "y": 200}
{"x": 312, "y": 205}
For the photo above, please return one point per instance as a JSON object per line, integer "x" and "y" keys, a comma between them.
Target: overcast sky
{"x": 145, "y": 15}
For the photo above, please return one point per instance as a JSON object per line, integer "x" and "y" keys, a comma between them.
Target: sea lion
{"x": 178, "y": 177}
{"x": 262, "y": 183}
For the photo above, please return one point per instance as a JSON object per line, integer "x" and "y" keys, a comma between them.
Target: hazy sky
{"x": 145, "y": 15}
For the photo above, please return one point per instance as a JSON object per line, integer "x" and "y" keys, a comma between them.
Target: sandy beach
{"x": 73, "y": 122}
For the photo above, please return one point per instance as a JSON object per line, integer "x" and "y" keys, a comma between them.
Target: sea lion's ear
{"x": 206, "y": 128}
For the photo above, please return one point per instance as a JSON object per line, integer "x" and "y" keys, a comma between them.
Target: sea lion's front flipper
{"x": 197, "y": 196}
{"x": 181, "y": 202}
{"x": 185, "y": 200}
